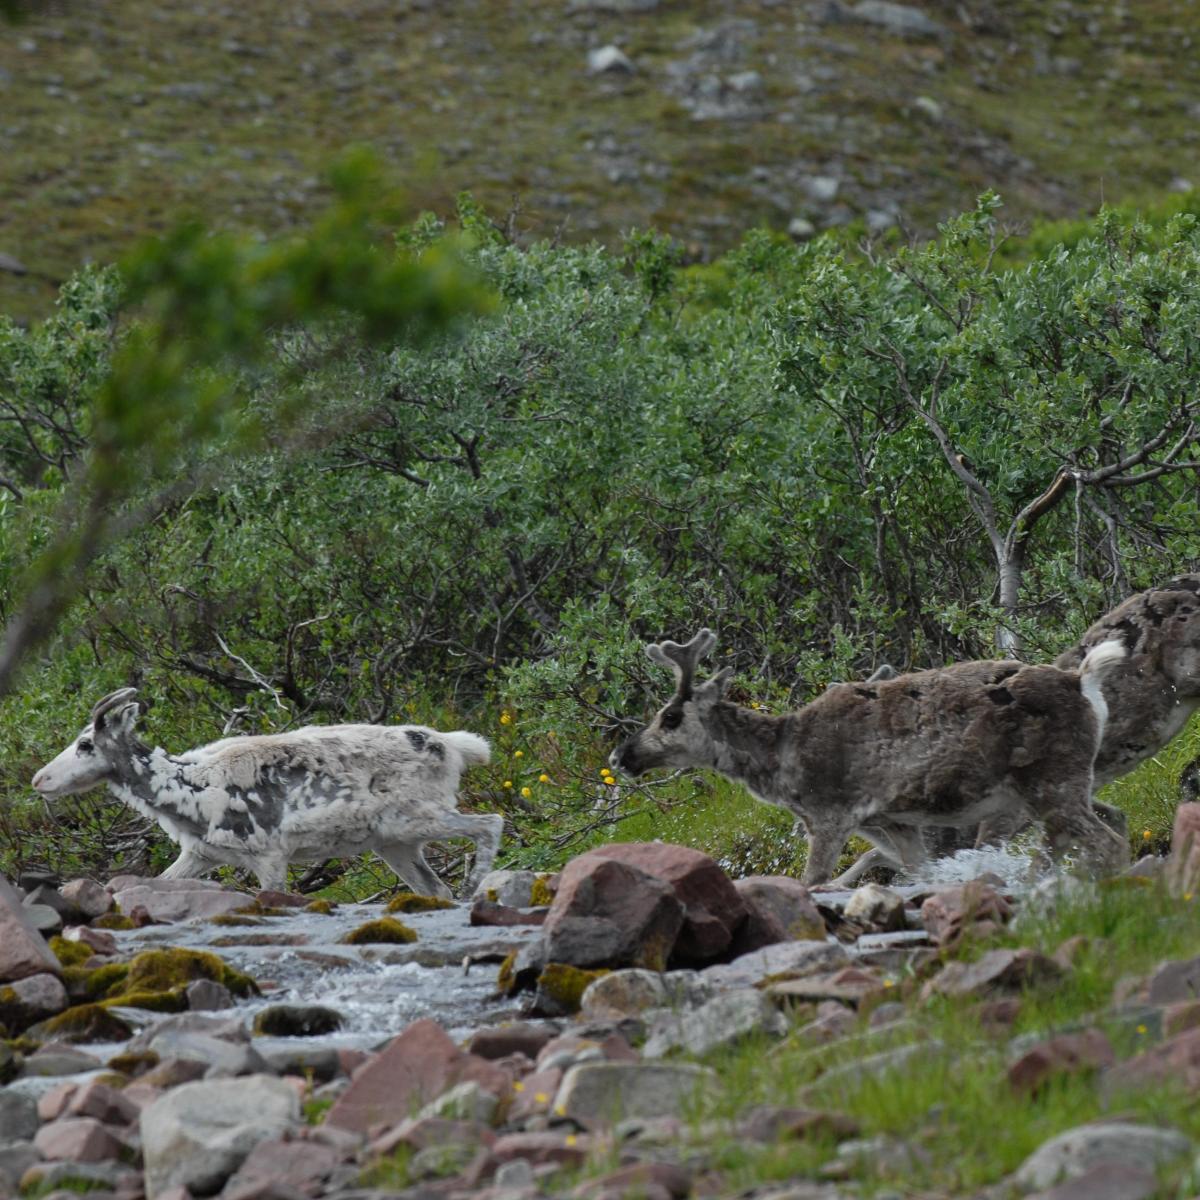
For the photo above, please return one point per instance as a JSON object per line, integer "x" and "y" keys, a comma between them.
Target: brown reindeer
{"x": 950, "y": 747}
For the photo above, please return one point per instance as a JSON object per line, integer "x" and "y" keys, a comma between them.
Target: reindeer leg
{"x": 1072, "y": 825}
{"x": 406, "y": 859}
{"x": 825, "y": 844}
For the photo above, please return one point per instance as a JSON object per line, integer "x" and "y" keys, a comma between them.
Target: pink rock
{"x": 23, "y": 951}
{"x": 88, "y": 897}
{"x": 141, "y": 1093}
{"x": 948, "y": 913}
{"x": 996, "y": 973}
{"x": 169, "y": 900}
{"x": 611, "y": 914}
{"x": 34, "y": 998}
{"x": 778, "y": 909}
{"x": 1183, "y": 865}
{"x": 1175, "y": 1061}
{"x": 1173, "y": 982}
{"x": 80, "y": 1139}
{"x": 100, "y": 940}
{"x": 634, "y": 1180}
{"x": 273, "y": 899}
{"x": 713, "y": 907}
{"x": 52, "y": 1104}
{"x": 1065, "y": 1054}
{"x": 534, "y": 1094}
{"x": 1178, "y": 1018}
{"x": 95, "y": 1099}
{"x": 303, "y": 1165}
{"x": 413, "y": 1069}
{"x": 499, "y": 1041}
{"x": 489, "y": 913}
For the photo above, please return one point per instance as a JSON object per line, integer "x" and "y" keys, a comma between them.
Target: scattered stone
{"x": 609, "y": 60}
{"x": 997, "y": 972}
{"x": 19, "y": 1119}
{"x": 787, "y": 960}
{"x": 198, "y": 1134}
{"x": 769, "y": 1123}
{"x": 1109, "y": 1181}
{"x": 949, "y": 913}
{"x": 303, "y": 1165}
{"x": 833, "y": 1020}
{"x": 100, "y": 941}
{"x": 171, "y": 900}
{"x": 66, "y": 1180}
{"x": 80, "y": 1139}
{"x": 852, "y": 986}
{"x": 1175, "y": 1061}
{"x": 778, "y": 908}
{"x": 640, "y": 1179}
{"x": 1173, "y": 982}
{"x": 1065, "y": 1054}
{"x": 801, "y": 229}
{"x": 513, "y": 889}
{"x": 900, "y": 19}
{"x": 17, "y": 1159}
{"x": 34, "y": 998}
{"x": 712, "y": 906}
{"x": 1179, "y": 1018}
{"x": 611, "y": 914}
{"x": 597, "y": 1094}
{"x": 723, "y": 1021}
{"x": 534, "y": 1094}
{"x": 14, "y": 266}
{"x": 221, "y": 1058}
{"x": 23, "y": 950}
{"x": 487, "y": 913}
{"x": 929, "y": 108}
{"x": 415, "y": 1068}
{"x": 87, "y": 897}
{"x": 1110, "y": 1143}
{"x": 1183, "y": 864}
{"x": 297, "y": 1020}
{"x": 877, "y": 907}
{"x": 521, "y": 1037}
{"x": 92, "y": 1098}
{"x": 56, "y": 1058}
{"x": 206, "y": 995}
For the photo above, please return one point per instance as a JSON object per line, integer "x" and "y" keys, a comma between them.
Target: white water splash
{"x": 1018, "y": 862}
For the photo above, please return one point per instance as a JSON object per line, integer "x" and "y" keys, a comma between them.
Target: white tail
{"x": 1096, "y": 664}
{"x": 474, "y": 749}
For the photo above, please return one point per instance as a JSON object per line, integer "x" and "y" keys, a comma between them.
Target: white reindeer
{"x": 949, "y": 747}
{"x": 261, "y": 802}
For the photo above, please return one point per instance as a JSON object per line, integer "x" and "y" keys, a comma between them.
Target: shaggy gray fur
{"x": 949, "y": 747}
{"x": 261, "y": 802}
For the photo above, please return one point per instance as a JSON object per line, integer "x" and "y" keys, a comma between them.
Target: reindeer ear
{"x": 714, "y": 688}
{"x": 119, "y": 721}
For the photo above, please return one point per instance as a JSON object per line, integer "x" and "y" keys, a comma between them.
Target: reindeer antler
{"x": 111, "y": 701}
{"x": 682, "y": 659}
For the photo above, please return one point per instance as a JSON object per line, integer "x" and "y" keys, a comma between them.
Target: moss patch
{"x": 506, "y": 977}
{"x": 83, "y": 1023}
{"x": 70, "y": 954}
{"x": 540, "y": 894}
{"x": 321, "y": 907}
{"x": 387, "y": 929}
{"x": 113, "y": 920}
{"x": 133, "y": 1063}
{"x": 165, "y": 970}
{"x": 565, "y": 984}
{"x": 409, "y": 902}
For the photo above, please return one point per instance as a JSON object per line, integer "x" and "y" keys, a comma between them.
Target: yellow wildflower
{"x": 518, "y": 754}
{"x": 1146, "y": 835}
{"x": 508, "y": 783}
{"x": 543, "y": 778}
{"x": 506, "y": 718}
{"x": 526, "y": 792}
{"x": 518, "y": 1086}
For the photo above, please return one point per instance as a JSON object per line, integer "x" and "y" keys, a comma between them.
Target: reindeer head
{"x": 677, "y": 736}
{"x": 91, "y": 758}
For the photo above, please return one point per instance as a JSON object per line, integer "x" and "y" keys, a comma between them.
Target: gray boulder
{"x": 1078, "y": 1150}
{"x": 598, "y": 1094}
{"x": 198, "y": 1134}
{"x": 723, "y": 1021}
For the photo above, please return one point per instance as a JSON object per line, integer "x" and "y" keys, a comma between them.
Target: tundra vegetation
{"x": 837, "y": 456}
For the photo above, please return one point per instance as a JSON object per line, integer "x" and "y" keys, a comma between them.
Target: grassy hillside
{"x": 117, "y": 118}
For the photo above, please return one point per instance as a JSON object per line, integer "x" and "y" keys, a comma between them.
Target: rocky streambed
{"x": 211, "y": 1042}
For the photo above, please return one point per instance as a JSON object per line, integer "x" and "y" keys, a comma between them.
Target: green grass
{"x": 117, "y": 119}
{"x": 954, "y": 1104}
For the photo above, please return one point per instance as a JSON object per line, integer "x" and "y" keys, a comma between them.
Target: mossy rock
{"x": 297, "y": 1020}
{"x": 409, "y": 902}
{"x": 70, "y": 954}
{"x": 169, "y": 1000}
{"x": 257, "y": 909}
{"x": 234, "y": 919}
{"x": 506, "y": 977}
{"x": 103, "y": 981}
{"x": 560, "y": 987}
{"x": 10, "y": 1064}
{"x": 320, "y": 906}
{"x": 174, "y": 968}
{"x": 540, "y": 894}
{"x": 113, "y": 920}
{"x": 133, "y": 1063}
{"x": 83, "y": 1023}
{"x": 386, "y": 929}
